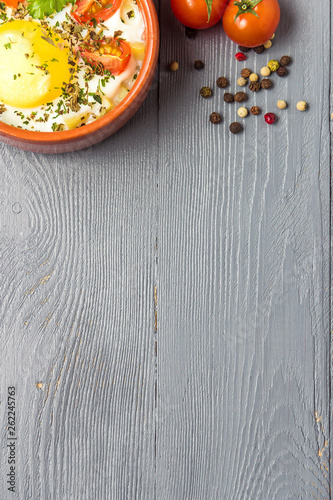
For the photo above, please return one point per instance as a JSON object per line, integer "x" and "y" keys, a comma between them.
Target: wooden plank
{"x": 243, "y": 273}
{"x": 77, "y": 263}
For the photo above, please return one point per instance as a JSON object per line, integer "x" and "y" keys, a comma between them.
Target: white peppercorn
{"x": 242, "y": 112}
{"x": 301, "y": 106}
{"x": 254, "y": 77}
{"x": 241, "y": 81}
{"x": 265, "y": 71}
{"x": 281, "y": 104}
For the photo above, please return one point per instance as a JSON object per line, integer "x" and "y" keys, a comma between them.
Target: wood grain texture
{"x": 243, "y": 274}
{"x": 165, "y": 295}
{"x": 78, "y": 237}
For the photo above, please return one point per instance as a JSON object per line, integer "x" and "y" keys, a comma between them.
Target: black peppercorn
{"x": 235, "y": 127}
{"x": 285, "y": 61}
{"x": 259, "y": 50}
{"x": 222, "y": 82}
{"x": 255, "y": 86}
{"x": 228, "y": 97}
{"x": 199, "y": 64}
{"x": 240, "y": 97}
{"x": 282, "y": 71}
{"x": 215, "y": 118}
{"x": 244, "y": 49}
{"x": 246, "y": 72}
{"x": 206, "y": 92}
{"x": 191, "y": 33}
{"x": 266, "y": 83}
{"x": 255, "y": 110}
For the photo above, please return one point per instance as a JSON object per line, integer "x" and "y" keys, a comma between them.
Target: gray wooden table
{"x": 165, "y": 295}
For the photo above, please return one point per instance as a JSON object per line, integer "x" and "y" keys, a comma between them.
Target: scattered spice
{"x": 191, "y": 33}
{"x": 281, "y": 104}
{"x": 241, "y": 81}
{"x": 301, "y": 106}
{"x": 240, "y": 56}
{"x": 254, "y": 77}
{"x": 174, "y": 66}
{"x": 265, "y": 71}
{"x": 255, "y": 86}
{"x": 240, "y": 97}
{"x": 268, "y": 44}
{"x": 222, "y": 82}
{"x": 282, "y": 71}
{"x": 273, "y": 65}
{"x": 242, "y": 112}
{"x": 235, "y": 127}
{"x": 244, "y": 49}
{"x": 206, "y": 92}
{"x": 259, "y": 50}
{"x": 2, "y": 108}
{"x": 270, "y": 118}
{"x": 246, "y": 73}
{"x": 285, "y": 61}
{"x": 199, "y": 64}
{"x": 228, "y": 97}
{"x": 255, "y": 110}
{"x": 266, "y": 83}
{"x": 215, "y": 118}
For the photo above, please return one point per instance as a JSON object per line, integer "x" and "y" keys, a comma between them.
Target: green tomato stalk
{"x": 209, "y": 8}
{"x": 246, "y": 7}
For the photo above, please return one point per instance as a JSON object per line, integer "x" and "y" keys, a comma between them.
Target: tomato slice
{"x": 86, "y": 10}
{"x": 11, "y": 3}
{"x": 113, "y": 54}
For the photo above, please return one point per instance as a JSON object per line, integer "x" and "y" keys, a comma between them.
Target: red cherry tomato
{"x": 112, "y": 55}
{"x": 251, "y": 26}
{"x": 86, "y": 10}
{"x": 194, "y": 13}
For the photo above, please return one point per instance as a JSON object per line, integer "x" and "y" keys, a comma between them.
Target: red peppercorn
{"x": 270, "y": 118}
{"x": 240, "y": 56}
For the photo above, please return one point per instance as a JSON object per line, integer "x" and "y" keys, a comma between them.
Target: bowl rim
{"x": 148, "y": 11}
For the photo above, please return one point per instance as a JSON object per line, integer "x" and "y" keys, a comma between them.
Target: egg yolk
{"x": 33, "y": 67}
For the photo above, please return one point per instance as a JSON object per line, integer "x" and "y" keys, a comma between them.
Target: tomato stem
{"x": 209, "y": 8}
{"x": 246, "y": 7}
